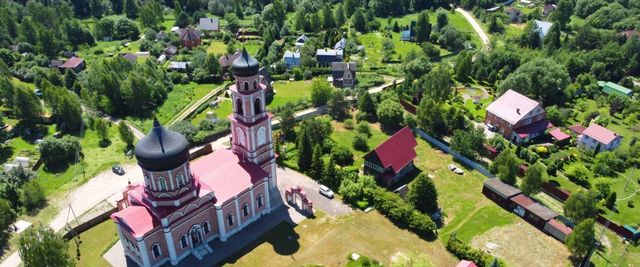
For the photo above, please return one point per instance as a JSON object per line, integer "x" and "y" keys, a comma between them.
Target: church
{"x": 183, "y": 205}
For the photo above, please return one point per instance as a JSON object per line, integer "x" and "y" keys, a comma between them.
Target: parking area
{"x": 288, "y": 177}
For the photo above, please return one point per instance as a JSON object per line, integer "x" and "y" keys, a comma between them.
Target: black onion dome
{"x": 162, "y": 149}
{"x": 245, "y": 65}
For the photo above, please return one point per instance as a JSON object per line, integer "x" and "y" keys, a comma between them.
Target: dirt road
{"x": 476, "y": 26}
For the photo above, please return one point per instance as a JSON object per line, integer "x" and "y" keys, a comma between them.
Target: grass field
{"x": 217, "y": 48}
{"x": 328, "y": 241}
{"x": 222, "y": 111}
{"x": 345, "y": 137}
{"x": 95, "y": 242}
{"x": 289, "y": 92}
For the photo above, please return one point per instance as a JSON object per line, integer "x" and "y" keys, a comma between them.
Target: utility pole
{"x": 624, "y": 253}
{"x": 587, "y": 259}
{"x": 629, "y": 179}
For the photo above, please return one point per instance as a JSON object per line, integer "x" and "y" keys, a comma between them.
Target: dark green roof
{"x": 613, "y": 88}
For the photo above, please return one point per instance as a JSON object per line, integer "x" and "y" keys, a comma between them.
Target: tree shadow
{"x": 104, "y": 143}
{"x": 5, "y": 153}
{"x": 283, "y": 238}
{"x": 406, "y": 179}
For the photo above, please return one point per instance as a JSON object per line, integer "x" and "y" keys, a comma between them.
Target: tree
{"x": 540, "y": 78}
{"x": 32, "y": 196}
{"x": 451, "y": 38}
{"x": 442, "y": 18}
{"x": 69, "y": 78}
{"x": 387, "y": 50}
{"x": 125, "y": 29}
{"x": 423, "y": 27}
{"x": 26, "y": 106}
{"x": 126, "y": 134}
{"x": 97, "y": 10}
{"x": 437, "y": 84}
{"x": 366, "y": 104}
{"x": 338, "y": 107}
{"x": 611, "y": 200}
{"x": 330, "y": 175}
{"x": 287, "y": 122}
{"x": 534, "y": 177}
{"x": 580, "y": 206}
{"x": 506, "y": 164}
{"x": 563, "y": 13}
{"x": 7, "y": 216}
{"x": 328, "y": 21}
{"x": 581, "y": 239}
{"x": 431, "y": 51}
{"x": 358, "y": 21}
{"x": 341, "y": 155}
{"x": 39, "y": 244}
{"x": 468, "y": 142}
{"x": 350, "y": 7}
{"x": 552, "y": 39}
{"x": 317, "y": 164}
{"x": 54, "y": 151}
{"x": 360, "y": 142}
{"x": 131, "y": 9}
{"x": 321, "y": 92}
{"x": 430, "y": 117}
{"x": 102, "y": 129}
{"x": 531, "y": 36}
{"x": 423, "y": 194}
{"x": 305, "y": 152}
{"x": 463, "y": 67}
{"x": 390, "y": 114}
{"x": 151, "y": 14}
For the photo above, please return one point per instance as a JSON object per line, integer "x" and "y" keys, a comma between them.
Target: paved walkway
{"x": 192, "y": 108}
{"x": 476, "y": 26}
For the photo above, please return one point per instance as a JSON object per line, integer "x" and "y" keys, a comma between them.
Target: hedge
{"x": 466, "y": 252}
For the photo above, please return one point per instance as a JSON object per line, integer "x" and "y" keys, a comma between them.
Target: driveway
{"x": 106, "y": 185}
{"x": 483, "y": 36}
{"x": 289, "y": 177}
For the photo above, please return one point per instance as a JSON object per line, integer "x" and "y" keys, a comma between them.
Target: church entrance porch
{"x": 196, "y": 236}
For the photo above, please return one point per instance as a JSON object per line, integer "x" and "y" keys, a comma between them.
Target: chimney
{"x": 518, "y": 111}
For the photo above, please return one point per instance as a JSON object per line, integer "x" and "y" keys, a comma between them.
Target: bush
{"x": 32, "y": 196}
{"x": 464, "y": 251}
{"x": 361, "y": 116}
{"x": 363, "y": 128}
{"x": 360, "y": 142}
{"x": 402, "y": 212}
{"x": 579, "y": 174}
{"x": 348, "y": 124}
{"x": 55, "y": 151}
{"x": 342, "y": 155}
{"x": 542, "y": 151}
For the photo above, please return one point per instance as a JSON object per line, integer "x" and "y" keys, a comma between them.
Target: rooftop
{"x": 208, "y": 24}
{"x": 542, "y": 211}
{"x": 137, "y": 218}
{"x": 522, "y": 200}
{"x": 614, "y": 88}
{"x": 512, "y": 106}
{"x": 328, "y": 52}
{"x": 543, "y": 26}
{"x": 601, "y": 134}
{"x": 578, "y": 129}
{"x": 72, "y": 63}
{"x": 558, "y": 134}
{"x": 397, "y": 151}
{"x": 224, "y": 173}
{"x": 504, "y": 190}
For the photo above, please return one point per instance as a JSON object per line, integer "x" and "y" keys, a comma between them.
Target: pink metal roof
{"x": 601, "y": 134}
{"x": 560, "y": 226}
{"x": 578, "y": 129}
{"x": 532, "y": 128}
{"x": 72, "y": 63}
{"x": 466, "y": 263}
{"x": 559, "y": 135}
{"x": 137, "y": 218}
{"x": 224, "y": 173}
{"x": 398, "y": 150}
{"x": 522, "y": 200}
{"x": 512, "y": 106}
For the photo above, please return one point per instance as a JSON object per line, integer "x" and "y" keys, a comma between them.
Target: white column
{"x": 273, "y": 181}
{"x": 153, "y": 181}
{"x": 221, "y": 228}
{"x": 238, "y": 213}
{"x": 171, "y": 180}
{"x": 268, "y": 197}
{"x": 144, "y": 254}
{"x": 253, "y": 204}
{"x": 170, "y": 246}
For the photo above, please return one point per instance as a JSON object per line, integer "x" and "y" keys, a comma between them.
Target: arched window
{"x": 156, "y": 250}
{"x": 183, "y": 241}
{"x": 246, "y": 86}
{"x": 255, "y": 84}
{"x": 180, "y": 178}
{"x": 257, "y": 106}
{"x": 230, "y": 219}
{"x": 239, "y": 107}
{"x": 262, "y": 136}
{"x": 147, "y": 181}
{"x": 245, "y": 209}
{"x": 207, "y": 227}
{"x": 240, "y": 138}
{"x": 162, "y": 183}
{"x": 259, "y": 200}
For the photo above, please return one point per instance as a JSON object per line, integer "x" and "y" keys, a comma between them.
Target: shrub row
{"x": 402, "y": 212}
{"x": 466, "y": 252}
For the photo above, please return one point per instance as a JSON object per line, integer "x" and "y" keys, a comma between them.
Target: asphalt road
{"x": 332, "y": 207}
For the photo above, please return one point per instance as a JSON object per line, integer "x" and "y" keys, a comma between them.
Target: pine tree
{"x": 463, "y": 67}
{"x": 423, "y": 194}
{"x": 330, "y": 175}
{"x": 533, "y": 179}
{"x": 611, "y": 200}
{"x": 552, "y": 39}
{"x": 366, "y": 104}
{"x": 581, "y": 239}
{"x": 126, "y": 134}
{"x": 423, "y": 27}
{"x": 317, "y": 166}
{"x": 305, "y": 153}
{"x": 328, "y": 21}
{"x": 131, "y": 9}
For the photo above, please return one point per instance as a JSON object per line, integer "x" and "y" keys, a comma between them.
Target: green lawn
{"x": 95, "y": 242}
{"x": 290, "y": 92}
{"x": 222, "y": 111}
{"x": 217, "y": 48}
{"x": 483, "y": 220}
{"x": 345, "y": 137}
{"x": 329, "y": 241}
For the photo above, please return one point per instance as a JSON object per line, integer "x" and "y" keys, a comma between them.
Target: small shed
{"x": 577, "y": 129}
{"x": 557, "y": 229}
{"x": 500, "y": 192}
{"x": 538, "y": 215}
{"x": 610, "y": 88}
{"x": 559, "y": 135}
{"x": 521, "y": 202}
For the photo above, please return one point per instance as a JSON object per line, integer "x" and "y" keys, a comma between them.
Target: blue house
{"x": 409, "y": 35}
{"x": 326, "y": 56}
{"x": 291, "y": 59}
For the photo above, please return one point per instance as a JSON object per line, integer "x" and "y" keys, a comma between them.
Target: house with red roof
{"x": 392, "y": 159}
{"x": 597, "y": 138}
{"x": 183, "y": 205}
{"x": 75, "y": 63}
{"x": 189, "y": 37}
{"x": 517, "y": 117}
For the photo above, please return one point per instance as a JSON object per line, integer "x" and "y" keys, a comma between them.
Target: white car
{"x": 455, "y": 169}
{"x": 325, "y": 191}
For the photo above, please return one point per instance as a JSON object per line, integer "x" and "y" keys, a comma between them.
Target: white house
{"x": 598, "y": 138}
